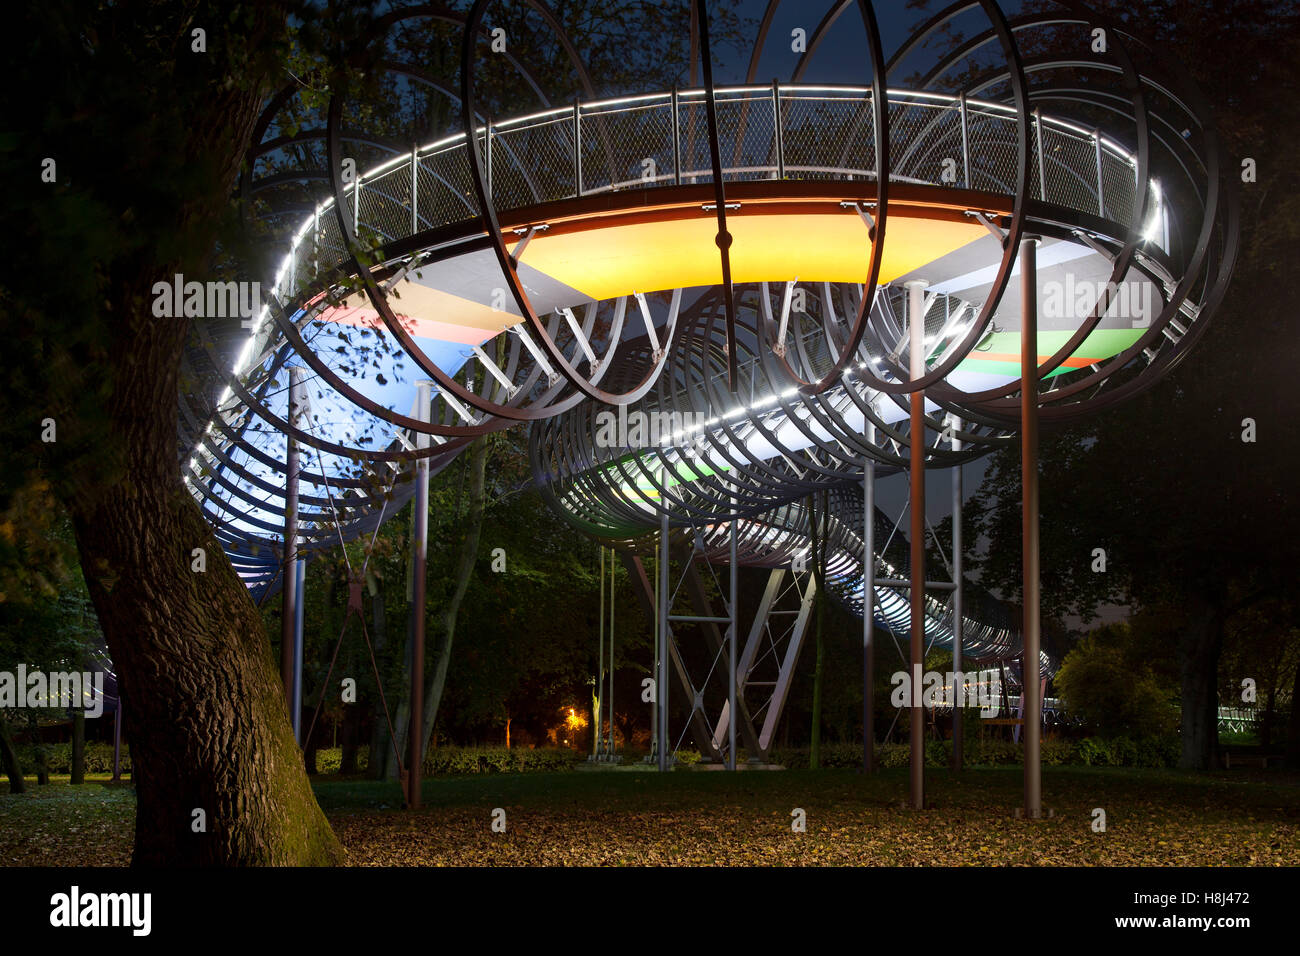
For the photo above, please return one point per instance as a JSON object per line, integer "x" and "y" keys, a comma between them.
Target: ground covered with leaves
{"x": 634, "y": 818}
{"x": 61, "y": 825}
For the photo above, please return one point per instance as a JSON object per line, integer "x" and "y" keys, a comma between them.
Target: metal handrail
{"x": 946, "y": 139}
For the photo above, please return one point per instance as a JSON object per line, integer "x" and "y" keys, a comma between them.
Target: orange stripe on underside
{"x": 1074, "y": 362}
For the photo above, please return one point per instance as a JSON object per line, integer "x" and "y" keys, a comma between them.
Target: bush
{"x": 1154, "y": 752}
{"x": 330, "y": 759}
{"x": 1058, "y": 752}
{"x": 1162, "y": 751}
{"x": 1096, "y": 752}
{"x": 1112, "y": 694}
{"x": 58, "y": 757}
{"x": 458, "y": 761}
{"x": 833, "y": 757}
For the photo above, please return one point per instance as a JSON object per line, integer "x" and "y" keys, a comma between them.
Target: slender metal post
{"x": 677, "y": 143}
{"x": 1033, "y": 708}
{"x": 600, "y": 659}
{"x": 869, "y": 609}
{"x": 117, "y": 736}
{"x": 612, "y": 570}
{"x": 661, "y": 682}
{"x": 959, "y": 679}
{"x": 487, "y": 137}
{"x": 415, "y": 189}
{"x": 658, "y": 614}
{"x": 965, "y": 140}
{"x": 1101, "y": 194}
{"x": 424, "y": 412}
{"x": 780, "y": 133}
{"x": 299, "y": 574}
{"x": 289, "y": 590}
{"x": 731, "y": 644}
{"x": 577, "y": 161}
{"x": 315, "y": 242}
{"x": 1042, "y": 167}
{"x": 916, "y": 328}
{"x": 356, "y": 206}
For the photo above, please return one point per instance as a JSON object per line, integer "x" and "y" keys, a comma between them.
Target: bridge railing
{"x": 765, "y": 133}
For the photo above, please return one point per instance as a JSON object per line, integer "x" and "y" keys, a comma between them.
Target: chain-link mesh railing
{"x": 794, "y": 132}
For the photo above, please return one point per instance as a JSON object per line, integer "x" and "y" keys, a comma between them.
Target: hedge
{"x": 58, "y": 757}
{"x": 462, "y": 761}
{"x": 1151, "y": 752}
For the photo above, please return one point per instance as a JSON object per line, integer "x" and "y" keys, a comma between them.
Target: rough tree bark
{"x": 208, "y": 723}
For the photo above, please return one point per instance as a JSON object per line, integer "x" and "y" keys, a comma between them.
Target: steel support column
{"x": 959, "y": 680}
{"x": 609, "y": 749}
{"x": 655, "y": 616}
{"x": 661, "y": 681}
{"x": 733, "y": 715}
{"x": 423, "y": 411}
{"x": 289, "y": 556}
{"x": 600, "y": 663}
{"x": 299, "y": 576}
{"x": 1033, "y": 709}
{"x": 916, "y": 470}
{"x": 869, "y": 609}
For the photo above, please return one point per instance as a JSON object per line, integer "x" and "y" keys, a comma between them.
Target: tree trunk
{"x": 38, "y": 751}
{"x": 209, "y": 726}
{"x": 13, "y": 769}
{"x": 78, "y": 769}
{"x": 1293, "y": 730}
{"x": 478, "y": 450}
{"x": 1199, "y": 647}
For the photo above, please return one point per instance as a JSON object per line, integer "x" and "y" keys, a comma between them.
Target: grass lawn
{"x": 631, "y": 818}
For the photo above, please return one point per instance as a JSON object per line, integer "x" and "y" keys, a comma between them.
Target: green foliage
{"x": 461, "y": 761}
{"x": 1156, "y": 751}
{"x": 455, "y": 761}
{"x": 58, "y": 757}
{"x": 329, "y": 760}
{"x": 1113, "y": 694}
{"x": 1057, "y": 752}
{"x": 1152, "y": 752}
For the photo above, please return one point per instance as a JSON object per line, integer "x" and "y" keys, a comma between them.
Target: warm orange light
{"x": 574, "y": 722}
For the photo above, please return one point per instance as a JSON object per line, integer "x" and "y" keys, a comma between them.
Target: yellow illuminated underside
{"x": 605, "y": 261}
{"x": 811, "y": 247}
